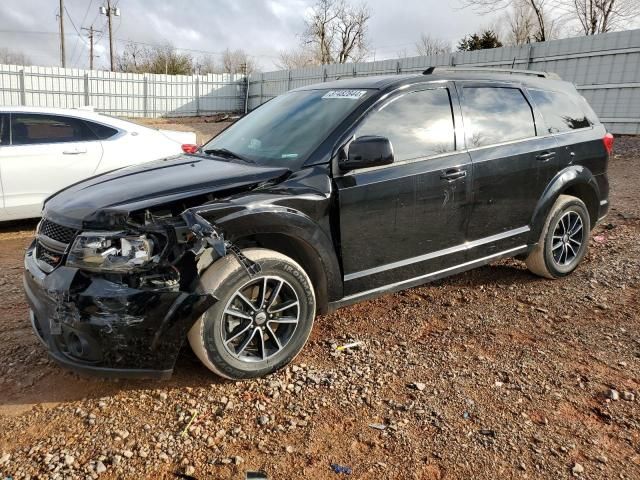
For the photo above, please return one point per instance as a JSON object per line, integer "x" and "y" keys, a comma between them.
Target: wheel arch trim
{"x": 301, "y": 238}
{"x": 575, "y": 180}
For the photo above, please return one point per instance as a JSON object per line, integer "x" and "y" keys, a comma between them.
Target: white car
{"x": 43, "y": 150}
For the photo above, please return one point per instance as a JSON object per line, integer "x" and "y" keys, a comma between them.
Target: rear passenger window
{"x": 418, "y": 124}
{"x": 561, "y": 113}
{"x": 496, "y": 115}
{"x": 102, "y": 131}
{"x": 29, "y": 129}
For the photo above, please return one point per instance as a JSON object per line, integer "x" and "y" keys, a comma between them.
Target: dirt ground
{"x": 491, "y": 374}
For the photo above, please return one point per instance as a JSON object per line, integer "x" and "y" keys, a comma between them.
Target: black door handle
{"x": 453, "y": 174}
{"x": 543, "y": 157}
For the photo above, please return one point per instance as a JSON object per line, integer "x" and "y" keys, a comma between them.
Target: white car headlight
{"x": 110, "y": 251}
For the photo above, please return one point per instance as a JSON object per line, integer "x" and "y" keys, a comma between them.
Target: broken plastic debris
{"x": 348, "y": 345}
{"x": 194, "y": 414}
{"x": 600, "y": 239}
{"x": 378, "y": 426}
{"x": 341, "y": 469}
{"x": 255, "y": 476}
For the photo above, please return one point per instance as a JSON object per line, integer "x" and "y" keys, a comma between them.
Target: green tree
{"x": 479, "y": 41}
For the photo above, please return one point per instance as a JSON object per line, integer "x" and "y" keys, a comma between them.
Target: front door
{"x": 404, "y": 220}
{"x": 46, "y": 154}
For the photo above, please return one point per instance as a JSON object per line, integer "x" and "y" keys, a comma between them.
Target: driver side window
{"x": 419, "y": 124}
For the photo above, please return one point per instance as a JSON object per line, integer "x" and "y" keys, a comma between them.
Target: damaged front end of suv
{"x": 118, "y": 294}
{"x": 123, "y": 301}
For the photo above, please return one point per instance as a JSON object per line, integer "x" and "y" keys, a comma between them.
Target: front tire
{"x": 564, "y": 239}
{"x": 259, "y": 323}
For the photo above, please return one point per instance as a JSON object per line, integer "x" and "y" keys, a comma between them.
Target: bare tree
{"x": 206, "y": 64}
{"x": 540, "y": 9}
{"x": 336, "y": 31}
{"x": 600, "y": 16}
{"x": 9, "y": 57}
{"x": 352, "y": 30}
{"x": 519, "y": 25}
{"x": 428, "y": 45}
{"x": 237, "y": 61}
{"x": 133, "y": 59}
{"x": 161, "y": 59}
{"x": 289, "y": 60}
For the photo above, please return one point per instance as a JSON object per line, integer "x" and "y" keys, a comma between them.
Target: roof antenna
{"x": 513, "y": 64}
{"x": 429, "y": 71}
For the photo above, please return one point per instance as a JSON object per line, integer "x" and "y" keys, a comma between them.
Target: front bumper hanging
{"x": 95, "y": 325}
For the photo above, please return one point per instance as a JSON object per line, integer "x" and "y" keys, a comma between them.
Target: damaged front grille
{"x": 48, "y": 256}
{"x": 52, "y": 243}
{"x": 56, "y": 232}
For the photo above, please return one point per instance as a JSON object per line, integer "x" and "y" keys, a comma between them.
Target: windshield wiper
{"x": 226, "y": 153}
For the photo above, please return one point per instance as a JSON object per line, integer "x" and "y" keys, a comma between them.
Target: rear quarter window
{"x": 561, "y": 112}
{"x": 496, "y": 115}
{"x": 102, "y": 131}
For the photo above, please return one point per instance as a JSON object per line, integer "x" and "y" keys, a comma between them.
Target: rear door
{"x": 404, "y": 220}
{"x": 512, "y": 164}
{"x": 46, "y": 154}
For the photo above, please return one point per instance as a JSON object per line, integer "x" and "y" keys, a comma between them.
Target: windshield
{"x": 286, "y": 130}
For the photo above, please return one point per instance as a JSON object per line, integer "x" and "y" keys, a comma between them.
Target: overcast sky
{"x": 260, "y": 27}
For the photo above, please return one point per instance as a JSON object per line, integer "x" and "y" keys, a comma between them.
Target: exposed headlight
{"x": 110, "y": 251}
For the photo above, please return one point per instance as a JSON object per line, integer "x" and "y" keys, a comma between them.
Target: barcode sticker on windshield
{"x": 349, "y": 94}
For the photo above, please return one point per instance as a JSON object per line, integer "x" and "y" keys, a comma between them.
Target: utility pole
{"x": 91, "y": 32}
{"x": 110, "y": 12}
{"x": 63, "y": 59}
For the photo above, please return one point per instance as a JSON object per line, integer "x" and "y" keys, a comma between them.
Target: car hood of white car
{"x": 180, "y": 137}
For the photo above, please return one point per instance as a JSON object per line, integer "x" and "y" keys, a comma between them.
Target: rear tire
{"x": 259, "y": 323}
{"x": 564, "y": 239}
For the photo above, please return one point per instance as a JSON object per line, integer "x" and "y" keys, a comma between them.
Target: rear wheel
{"x": 259, "y": 323}
{"x": 564, "y": 239}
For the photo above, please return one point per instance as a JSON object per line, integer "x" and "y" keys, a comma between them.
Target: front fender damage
{"x": 210, "y": 244}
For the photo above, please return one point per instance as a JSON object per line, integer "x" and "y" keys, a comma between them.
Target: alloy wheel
{"x": 260, "y": 319}
{"x": 568, "y": 236}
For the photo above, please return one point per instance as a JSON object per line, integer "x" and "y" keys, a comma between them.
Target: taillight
{"x": 189, "y": 148}
{"x": 608, "y": 143}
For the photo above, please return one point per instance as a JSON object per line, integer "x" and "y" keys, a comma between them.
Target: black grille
{"x": 47, "y": 256}
{"x": 57, "y": 232}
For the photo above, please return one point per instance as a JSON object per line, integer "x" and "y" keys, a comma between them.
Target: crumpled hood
{"x": 151, "y": 184}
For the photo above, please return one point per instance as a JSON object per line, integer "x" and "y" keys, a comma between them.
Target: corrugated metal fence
{"x": 606, "y": 69}
{"x": 122, "y": 94}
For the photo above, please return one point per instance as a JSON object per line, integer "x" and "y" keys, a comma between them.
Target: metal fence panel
{"x": 605, "y": 68}
{"x": 122, "y": 94}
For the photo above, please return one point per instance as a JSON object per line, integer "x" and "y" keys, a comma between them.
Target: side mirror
{"x": 368, "y": 151}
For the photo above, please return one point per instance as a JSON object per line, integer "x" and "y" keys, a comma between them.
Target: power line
{"x": 79, "y": 39}
{"x": 86, "y": 13}
{"x": 125, "y": 41}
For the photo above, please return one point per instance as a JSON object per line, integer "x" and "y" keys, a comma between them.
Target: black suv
{"x": 324, "y": 196}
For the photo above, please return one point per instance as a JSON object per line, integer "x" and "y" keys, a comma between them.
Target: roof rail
{"x": 535, "y": 73}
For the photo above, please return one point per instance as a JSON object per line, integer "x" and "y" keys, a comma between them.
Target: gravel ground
{"x": 490, "y": 374}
